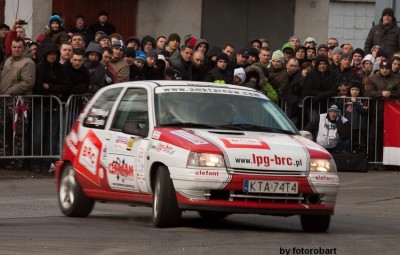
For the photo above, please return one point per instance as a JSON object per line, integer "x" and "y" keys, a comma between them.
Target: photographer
{"x": 16, "y": 31}
{"x": 333, "y": 130}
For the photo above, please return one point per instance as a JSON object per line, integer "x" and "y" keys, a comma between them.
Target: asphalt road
{"x": 366, "y": 222}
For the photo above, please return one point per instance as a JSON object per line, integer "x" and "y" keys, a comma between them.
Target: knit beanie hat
{"x": 141, "y": 56}
{"x": 152, "y": 54}
{"x": 222, "y": 56}
{"x": 239, "y": 72}
{"x": 55, "y": 18}
{"x": 359, "y": 51}
{"x": 381, "y": 53}
{"x": 337, "y": 50}
{"x": 287, "y": 47}
{"x": 278, "y": 55}
{"x": 388, "y": 11}
{"x": 368, "y": 57}
{"x": 192, "y": 42}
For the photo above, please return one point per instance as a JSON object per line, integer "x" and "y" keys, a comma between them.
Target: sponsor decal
{"x": 131, "y": 142}
{"x": 207, "y": 173}
{"x": 156, "y": 135}
{"x": 268, "y": 161}
{"x": 119, "y": 166}
{"x": 104, "y": 153}
{"x": 163, "y": 148}
{"x": 209, "y": 90}
{"x": 189, "y": 137}
{"x": 122, "y": 141}
{"x": 249, "y": 143}
{"x": 89, "y": 155}
{"x": 326, "y": 178}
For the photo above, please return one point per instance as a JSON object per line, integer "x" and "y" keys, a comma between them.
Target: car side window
{"x": 133, "y": 107}
{"x": 100, "y": 110}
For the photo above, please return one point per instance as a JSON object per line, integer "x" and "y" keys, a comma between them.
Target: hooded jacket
{"x": 146, "y": 39}
{"x": 386, "y": 36}
{"x": 199, "y": 41}
{"x": 97, "y": 72}
{"x": 263, "y": 85}
{"x": 52, "y": 74}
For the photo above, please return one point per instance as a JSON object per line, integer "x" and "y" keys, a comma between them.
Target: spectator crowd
{"x": 82, "y": 59}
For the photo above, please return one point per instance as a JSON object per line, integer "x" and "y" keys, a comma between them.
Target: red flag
{"x": 391, "y": 133}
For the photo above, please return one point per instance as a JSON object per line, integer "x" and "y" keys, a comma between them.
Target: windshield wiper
{"x": 256, "y": 128}
{"x": 187, "y": 124}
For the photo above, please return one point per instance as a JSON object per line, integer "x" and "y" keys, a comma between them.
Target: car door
{"x": 125, "y": 153}
{"x": 93, "y": 136}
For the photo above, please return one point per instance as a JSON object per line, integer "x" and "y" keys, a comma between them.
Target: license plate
{"x": 276, "y": 187}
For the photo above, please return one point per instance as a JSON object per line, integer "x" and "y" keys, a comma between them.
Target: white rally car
{"x": 213, "y": 148}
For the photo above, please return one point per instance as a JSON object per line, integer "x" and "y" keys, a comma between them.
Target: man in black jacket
{"x": 50, "y": 77}
{"x": 321, "y": 85}
{"x": 102, "y": 24}
{"x": 386, "y": 34}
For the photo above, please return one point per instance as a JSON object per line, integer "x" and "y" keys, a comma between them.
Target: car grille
{"x": 266, "y": 172}
{"x": 254, "y": 197}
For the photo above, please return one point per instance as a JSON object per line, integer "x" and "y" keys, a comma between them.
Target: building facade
{"x": 217, "y": 21}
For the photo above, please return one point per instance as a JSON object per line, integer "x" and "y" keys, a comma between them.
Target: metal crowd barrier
{"x": 370, "y": 129}
{"x": 30, "y": 127}
{"x": 34, "y": 126}
{"x": 73, "y": 108}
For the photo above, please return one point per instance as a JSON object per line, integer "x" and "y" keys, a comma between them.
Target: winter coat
{"x": 97, "y": 71}
{"x": 18, "y": 77}
{"x": 216, "y": 75}
{"x": 122, "y": 69}
{"x": 329, "y": 132}
{"x": 345, "y": 76}
{"x": 184, "y": 68}
{"x": 77, "y": 80}
{"x": 51, "y": 73}
{"x": 357, "y": 113}
{"x": 85, "y": 31}
{"x": 57, "y": 37}
{"x": 278, "y": 79}
{"x": 292, "y": 91}
{"x": 320, "y": 85}
{"x": 386, "y": 36}
{"x": 264, "y": 86}
{"x": 107, "y": 28}
{"x": 377, "y": 83}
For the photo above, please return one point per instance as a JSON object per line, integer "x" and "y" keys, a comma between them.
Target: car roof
{"x": 158, "y": 83}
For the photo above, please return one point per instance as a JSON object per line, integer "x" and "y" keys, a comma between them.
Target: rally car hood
{"x": 249, "y": 150}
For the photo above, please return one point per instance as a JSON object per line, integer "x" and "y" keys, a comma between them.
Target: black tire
{"x": 315, "y": 223}
{"x": 71, "y": 199}
{"x": 166, "y": 212}
{"x": 211, "y": 215}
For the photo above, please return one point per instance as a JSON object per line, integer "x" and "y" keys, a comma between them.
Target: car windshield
{"x": 213, "y": 108}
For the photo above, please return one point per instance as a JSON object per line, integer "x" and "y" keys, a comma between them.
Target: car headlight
{"x": 205, "y": 160}
{"x": 322, "y": 165}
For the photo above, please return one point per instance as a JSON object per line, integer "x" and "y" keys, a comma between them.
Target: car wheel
{"x": 71, "y": 198}
{"x": 210, "y": 215}
{"x": 166, "y": 212}
{"x": 315, "y": 223}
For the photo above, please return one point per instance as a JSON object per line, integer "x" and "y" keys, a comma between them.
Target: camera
{"x": 22, "y": 22}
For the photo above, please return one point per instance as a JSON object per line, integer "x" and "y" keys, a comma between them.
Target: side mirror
{"x": 306, "y": 134}
{"x": 138, "y": 128}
